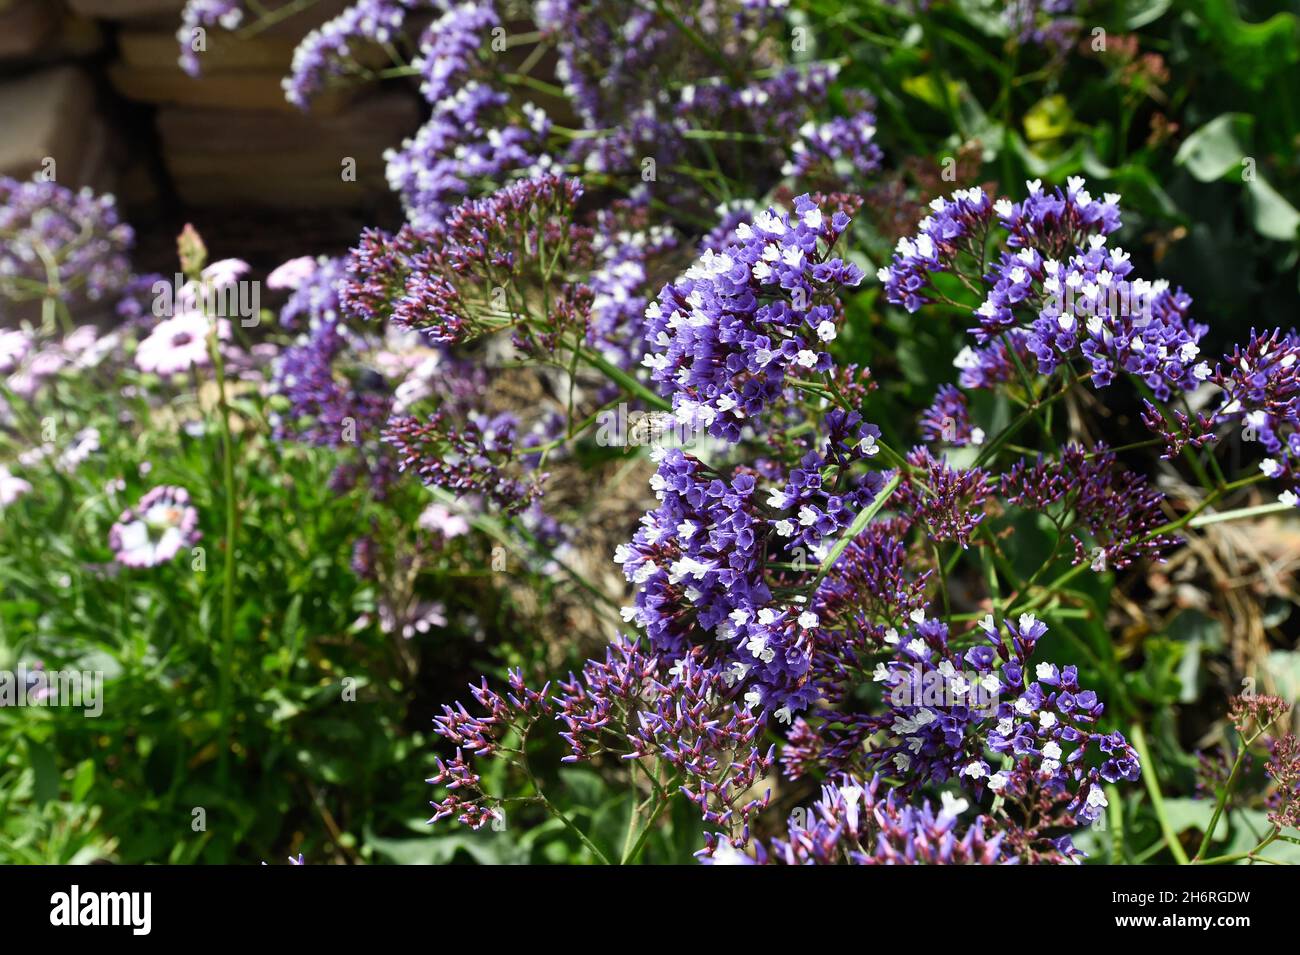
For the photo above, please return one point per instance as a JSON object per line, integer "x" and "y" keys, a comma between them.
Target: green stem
{"x": 228, "y": 581}
{"x": 624, "y": 380}
{"x": 1238, "y": 856}
{"x": 859, "y": 523}
{"x": 1153, "y": 789}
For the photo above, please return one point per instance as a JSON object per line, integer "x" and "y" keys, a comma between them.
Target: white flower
{"x": 826, "y": 331}
{"x": 808, "y": 620}
{"x": 975, "y": 770}
{"x": 1046, "y": 720}
{"x": 952, "y": 805}
{"x": 785, "y": 528}
{"x": 1052, "y": 749}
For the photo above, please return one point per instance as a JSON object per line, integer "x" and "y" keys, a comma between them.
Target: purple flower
{"x": 326, "y": 52}
{"x": 855, "y": 823}
{"x": 948, "y": 420}
{"x": 472, "y": 457}
{"x": 59, "y": 242}
{"x": 948, "y": 502}
{"x": 1119, "y": 510}
{"x": 201, "y": 15}
{"x": 841, "y": 150}
{"x": 956, "y": 716}
{"x": 724, "y": 338}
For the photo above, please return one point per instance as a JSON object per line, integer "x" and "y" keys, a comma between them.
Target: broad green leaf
{"x": 1274, "y": 217}
{"x": 1217, "y": 148}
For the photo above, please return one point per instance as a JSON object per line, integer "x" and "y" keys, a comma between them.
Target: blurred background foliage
{"x": 1188, "y": 108}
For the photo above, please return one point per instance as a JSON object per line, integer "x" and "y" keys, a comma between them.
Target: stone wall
{"x": 92, "y": 93}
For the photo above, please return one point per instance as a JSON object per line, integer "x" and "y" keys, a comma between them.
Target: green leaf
{"x": 1251, "y": 52}
{"x": 925, "y": 88}
{"x": 45, "y": 787}
{"x": 1273, "y": 216}
{"x": 84, "y": 779}
{"x": 1049, "y": 118}
{"x": 1142, "y": 12}
{"x": 1192, "y": 814}
{"x": 1216, "y": 149}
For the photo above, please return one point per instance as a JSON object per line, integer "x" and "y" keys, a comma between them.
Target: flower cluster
{"x": 1118, "y": 508}
{"x": 29, "y": 359}
{"x": 468, "y": 458}
{"x": 1261, "y": 392}
{"x": 854, "y": 823}
{"x": 470, "y": 276}
{"x": 645, "y": 78}
{"x": 726, "y": 336}
{"x": 948, "y": 501}
{"x": 1045, "y": 23}
{"x": 679, "y": 714}
{"x": 58, "y": 243}
{"x": 1055, "y": 292}
{"x": 842, "y": 149}
{"x": 1284, "y": 769}
{"x": 328, "y": 51}
{"x": 948, "y": 420}
{"x": 197, "y": 17}
{"x": 330, "y": 401}
{"x": 473, "y": 133}
{"x": 983, "y": 718}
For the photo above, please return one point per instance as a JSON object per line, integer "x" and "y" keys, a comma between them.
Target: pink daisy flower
{"x": 291, "y": 274}
{"x": 156, "y": 529}
{"x": 178, "y": 344}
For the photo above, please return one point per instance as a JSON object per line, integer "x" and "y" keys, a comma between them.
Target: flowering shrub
{"x": 788, "y": 484}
